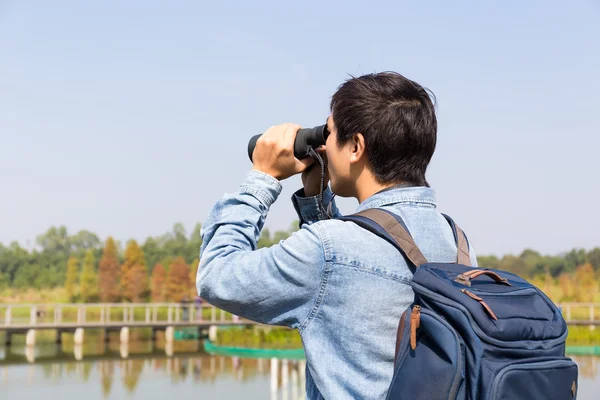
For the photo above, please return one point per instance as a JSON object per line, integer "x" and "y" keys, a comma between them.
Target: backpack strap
{"x": 461, "y": 241}
{"x": 392, "y": 228}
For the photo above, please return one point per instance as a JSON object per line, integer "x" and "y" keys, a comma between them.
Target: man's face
{"x": 338, "y": 164}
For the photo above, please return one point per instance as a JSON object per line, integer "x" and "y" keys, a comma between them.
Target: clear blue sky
{"x": 124, "y": 117}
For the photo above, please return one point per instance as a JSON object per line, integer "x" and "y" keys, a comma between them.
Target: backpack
{"x": 472, "y": 333}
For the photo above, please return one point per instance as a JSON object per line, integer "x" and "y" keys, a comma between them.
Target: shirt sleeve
{"x": 276, "y": 285}
{"x": 308, "y": 209}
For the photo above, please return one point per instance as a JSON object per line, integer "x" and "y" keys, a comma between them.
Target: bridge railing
{"x": 581, "y": 312}
{"x": 107, "y": 313}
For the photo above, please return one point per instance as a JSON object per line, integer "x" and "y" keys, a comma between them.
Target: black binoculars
{"x": 306, "y": 139}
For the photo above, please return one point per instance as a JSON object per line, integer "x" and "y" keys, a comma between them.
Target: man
{"x": 341, "y": 286}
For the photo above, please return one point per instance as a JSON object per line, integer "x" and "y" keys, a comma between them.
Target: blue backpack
{"x": 473, "y": 333}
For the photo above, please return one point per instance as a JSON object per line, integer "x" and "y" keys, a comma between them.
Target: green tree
{"x": 72, "y": 275}
{"x": 265, "y": 238}
{"x": 594, "y": 258}
{"x": 89, "y": 282}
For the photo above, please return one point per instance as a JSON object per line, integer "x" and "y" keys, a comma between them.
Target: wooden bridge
{"x": 75, "y": 318}
{"x": 28, "y": 318}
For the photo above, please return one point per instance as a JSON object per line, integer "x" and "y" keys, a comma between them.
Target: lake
{"x": 138, "y": 371}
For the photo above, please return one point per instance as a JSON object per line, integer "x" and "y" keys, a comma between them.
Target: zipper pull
{"x": 487, "y": 308}
{"x": 415, "y": 322}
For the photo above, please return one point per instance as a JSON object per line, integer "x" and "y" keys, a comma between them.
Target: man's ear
{"x": 357, "y": 148}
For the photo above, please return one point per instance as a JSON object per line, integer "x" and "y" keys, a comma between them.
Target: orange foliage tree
{"x": 134, "y": 274}
{"x": 178, "y": 280}
{"x": 108, "y": 273}
{"x": 158, "y": 283}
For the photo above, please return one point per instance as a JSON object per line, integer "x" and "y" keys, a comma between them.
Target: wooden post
{"x": 274, "y": 373}
{"x": 124, "y": 336}
{"x": 102, "y": 315}
{"x": 131, "y": 314}
{"x": 177, "y": 312}
{"x": 30, "y": 338}
{"x": 222, "y": 315}
{"x": 147, "y": 314}
{"x": 169, "y": 334}
{"x": 33, "y": 315}
{"x": 154, "y": 314}
{"x": 84, "y": 312}
{"x": 108, "y": 314}
{"x": 568, "y": 312}
{"x": 170, "y": 315}
{"x": 8, "y": 316}
{"x": 79, "y": 315}
{"x": 78, "y": 337}
{"x": 213, "y": 314}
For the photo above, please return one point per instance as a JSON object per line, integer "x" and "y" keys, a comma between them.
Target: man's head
{"x": 383, "y": 129}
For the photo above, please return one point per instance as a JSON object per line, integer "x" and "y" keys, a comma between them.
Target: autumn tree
{"x": 134, "y": 274}
{"x": 178, "y": 280}
{"x": 193, "y": 273}
{"x": 71, "y": 280}
{"x": 159, "y": 276}
{"x": 567, "y": 286}
{"x": 108, "y": 273}
{"x": 587, "y": 287}
{"x": 89, "y": 284}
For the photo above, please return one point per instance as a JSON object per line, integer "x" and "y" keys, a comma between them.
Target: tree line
{"x": 163, "y": 268}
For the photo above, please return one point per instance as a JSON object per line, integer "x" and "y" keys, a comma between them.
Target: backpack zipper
{"x": 487, "y": 308}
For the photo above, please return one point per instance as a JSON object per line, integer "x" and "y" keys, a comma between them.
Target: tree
{"x": 89, "y": 283}
{"x": 567, "y": 287}
{"x": 178, "y": 280}
{"x": 71, "y": 281}
{"x": 137, "y": 287}
{"x": 265, "y": 238}
{"x": 587, "y": 287}
{"x": 159, "y": 276}
{"x": 193, "y": 273}
{"x": 134, "y": 275}
{"x": 594, "y": 258}
{"x": 108, "y": 273}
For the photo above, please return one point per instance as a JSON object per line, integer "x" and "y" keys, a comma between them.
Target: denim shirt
{"x": 343, "y": 288}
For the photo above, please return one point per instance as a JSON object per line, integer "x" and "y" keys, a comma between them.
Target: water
{"x": 103, "y": 372}
{"x": 138, "y": 371}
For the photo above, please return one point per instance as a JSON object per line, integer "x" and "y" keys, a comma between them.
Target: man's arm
{"x": 275, "y": 285}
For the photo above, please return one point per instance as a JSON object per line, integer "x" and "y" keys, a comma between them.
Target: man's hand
{"x": 274, "y": 153}
{"x": 311, "y": 177}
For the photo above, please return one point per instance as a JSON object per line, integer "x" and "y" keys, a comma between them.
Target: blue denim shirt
{"x": 341, "y": 286}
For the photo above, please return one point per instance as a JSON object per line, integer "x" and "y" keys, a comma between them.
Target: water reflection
{"x": 109, "y": 369}
{"x": 183, "y": 370}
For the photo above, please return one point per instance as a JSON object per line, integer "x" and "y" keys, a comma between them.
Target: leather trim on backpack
{"x": 397, "y": 231}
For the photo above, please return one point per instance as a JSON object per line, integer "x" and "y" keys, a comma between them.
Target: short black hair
{"x": 397, "y": 119}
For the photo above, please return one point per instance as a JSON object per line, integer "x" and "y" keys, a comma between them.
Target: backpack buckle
{"x": 463, "y": 280}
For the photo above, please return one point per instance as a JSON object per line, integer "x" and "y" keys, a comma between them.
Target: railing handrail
{"x": 173, "y": 304}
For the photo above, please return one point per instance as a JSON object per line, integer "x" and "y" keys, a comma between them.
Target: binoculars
{"x": 306, "y": 139}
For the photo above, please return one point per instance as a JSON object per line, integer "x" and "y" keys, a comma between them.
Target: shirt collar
{"x": 412, "y": 194}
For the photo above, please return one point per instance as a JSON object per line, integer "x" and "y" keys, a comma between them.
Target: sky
{"x": 124, "y": 118}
